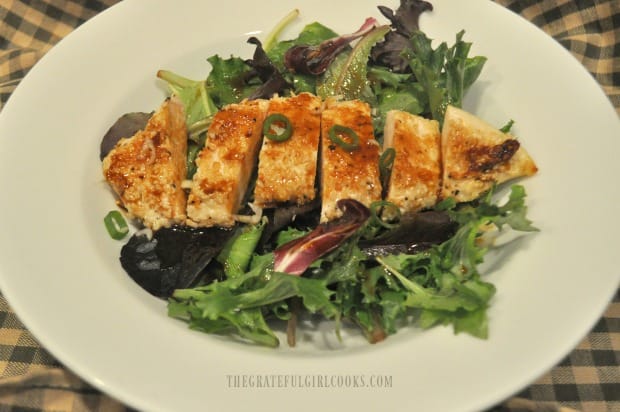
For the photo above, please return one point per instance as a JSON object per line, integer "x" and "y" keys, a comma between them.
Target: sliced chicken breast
{"x": 416, "y": 171}
{"x": 146, "y": 170}
{"x": 348, "y": 172}
{"x": 287, "y": 169}
{"x": 225, "y": 164}
{"x": 476, "y": 155}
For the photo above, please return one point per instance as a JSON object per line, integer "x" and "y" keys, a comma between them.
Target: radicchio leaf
{"x": 267, "y": 72}
{"x": 404, "y": 21}
{"x": 296, "y": 256}
{"x": 303, "y": 217}
{"x": 315, "y": 59}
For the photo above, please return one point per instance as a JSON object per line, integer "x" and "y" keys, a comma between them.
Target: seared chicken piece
{"x": 147, "y": 169}
{"x": 287, "y": 169}
{"x": 348, "y": 173}
{"x": 416, "y": 171}
{"x": 476, "y": 155}
{"x": 225, "y": 164}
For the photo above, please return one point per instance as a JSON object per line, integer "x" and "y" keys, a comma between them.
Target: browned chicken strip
{"x": 416, "y": 171}
{"x": 477, "y": 155}
{"x": 225, "y": 164}
{"x": 146, "y": 170}
{"x": 348, "y": 173}
{"x": 287, "y": 169}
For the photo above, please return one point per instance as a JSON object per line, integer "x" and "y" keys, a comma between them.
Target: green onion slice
{"x": 387, "y": 159}
{"x": 116, "y": 225}
{"x": 344, "y": 137}
{"x": 506, "y": 128}
{"x": 376, "y": 209}
{"x": 277, "y": 127}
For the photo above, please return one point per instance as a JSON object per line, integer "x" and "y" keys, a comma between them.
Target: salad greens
{"x": 358, "y": 269}
{"x": 441, "y": 285}
{"x": 391, "y": 66}
{"x": 445, "y": 72}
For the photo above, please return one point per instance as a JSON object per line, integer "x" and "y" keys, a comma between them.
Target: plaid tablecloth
{"x": 588, "y": 379}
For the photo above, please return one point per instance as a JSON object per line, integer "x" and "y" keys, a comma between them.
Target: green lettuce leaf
{"x": 446, "y": 73}
{"x": 227, "y": 80}
{"x": 192, "y": 93}
{"x": 239, "y": 304}
{"x": 347, "y": 74}
{"x": 311, "y": 35}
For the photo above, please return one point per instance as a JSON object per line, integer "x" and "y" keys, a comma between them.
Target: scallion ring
{"x": 376, "y": 209}
{"x": 116, "y": 225}
{"x": 336, "y": 133}
{"x": 277, "y": 127}
{"x": 387, "y": 158}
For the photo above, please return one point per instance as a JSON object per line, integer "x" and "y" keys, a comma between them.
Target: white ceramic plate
{"x": 60, "y": 271}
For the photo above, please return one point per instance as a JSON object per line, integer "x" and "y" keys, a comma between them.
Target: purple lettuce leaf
{"x": 273, "y": 81}
{"x": 415, "y": 233}
{"x": 404, "y": 22}
{"x": 296, "y": 256}
{"x": 126, "y": 126}
{"x": 314, "y": 60}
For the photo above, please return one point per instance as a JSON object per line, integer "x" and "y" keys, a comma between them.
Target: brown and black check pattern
{"x": 587, "y": 380}
{"x": 589, "y": 29}
{"x": 31, "y": 27}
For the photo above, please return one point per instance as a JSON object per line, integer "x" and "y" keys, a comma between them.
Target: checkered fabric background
{"x": 588, "y": 28}
{"x": 587, "y": 380}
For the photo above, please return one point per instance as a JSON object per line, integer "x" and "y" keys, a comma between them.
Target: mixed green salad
{"x": 360, "y": 269}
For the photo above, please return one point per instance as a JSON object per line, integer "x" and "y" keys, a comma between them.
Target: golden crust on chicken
{"x": 146, "y": 170}
{"x": 287, "y": 169}
{"x": 225, "y": 164}
{"x": 348, "y": 173}
{"x": 416, "y": 170}
{"x": 477, "y": 155}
